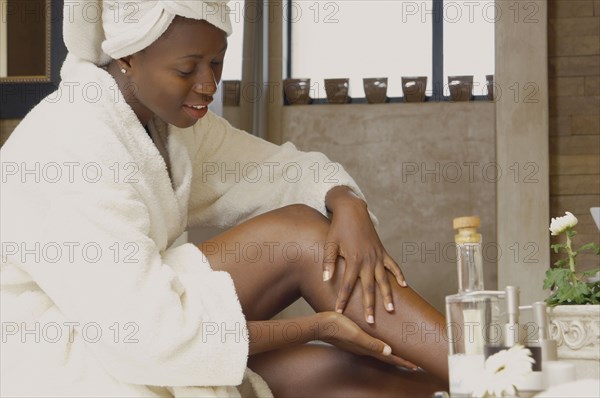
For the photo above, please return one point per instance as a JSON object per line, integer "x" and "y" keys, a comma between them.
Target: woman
{"x": 102, "y": 177}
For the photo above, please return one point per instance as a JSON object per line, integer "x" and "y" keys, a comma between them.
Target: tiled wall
{"x": 574, "y": 86}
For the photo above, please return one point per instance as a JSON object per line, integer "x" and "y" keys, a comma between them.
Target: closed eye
{"x": 184, "y": 73}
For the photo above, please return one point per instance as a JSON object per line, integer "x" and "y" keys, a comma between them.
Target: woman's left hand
{"x": 352, "y": 236}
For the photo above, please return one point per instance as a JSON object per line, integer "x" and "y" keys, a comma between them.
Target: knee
{"x": 303, "y": 212}
{"x": 305, "y": 227}
{"x": 305, "y": 220}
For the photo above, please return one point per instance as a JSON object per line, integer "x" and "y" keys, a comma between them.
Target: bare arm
{"x": 329, "y": 326}
{"x": 275, "y": 334}
{"x": 352, "y": 236}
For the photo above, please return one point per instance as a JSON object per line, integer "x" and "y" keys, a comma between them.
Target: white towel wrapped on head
{"x": 101, "y": 30}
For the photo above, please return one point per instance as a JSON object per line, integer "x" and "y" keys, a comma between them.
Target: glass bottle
{"x": 470, "y": 313}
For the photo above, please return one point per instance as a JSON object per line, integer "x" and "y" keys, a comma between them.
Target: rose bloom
{"x": 560, "y": 224}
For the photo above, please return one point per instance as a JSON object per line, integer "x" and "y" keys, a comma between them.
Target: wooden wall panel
{"x": 574, "y": 85}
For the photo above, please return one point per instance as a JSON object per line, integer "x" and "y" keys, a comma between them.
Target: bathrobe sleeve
{"x": 237, "y": 176}
{"x": 150, "y": 316}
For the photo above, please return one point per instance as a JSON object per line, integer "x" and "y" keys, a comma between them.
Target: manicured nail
{"x": 326, "y": 275}
{"x": 387, "y": 350}
{"x": 370, "y": 319}
{"x": 339, "y": 310}
{"x": 390, "y": 307}
{"x": 403, "y": 283}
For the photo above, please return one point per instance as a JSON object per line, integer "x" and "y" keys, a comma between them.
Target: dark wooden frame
{"x": 19, "y": 96}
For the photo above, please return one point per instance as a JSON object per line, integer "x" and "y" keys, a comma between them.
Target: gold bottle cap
{"x": 467, "y": 229}
{"x": 466, "y": 222}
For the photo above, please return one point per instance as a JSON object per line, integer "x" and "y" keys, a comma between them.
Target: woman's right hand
{"x": 341, "y": 331}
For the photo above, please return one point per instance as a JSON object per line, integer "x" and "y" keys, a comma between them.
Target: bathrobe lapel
{"x": 176, "y": 164}
{"x": 166, "y": 196}
{"x": 181, "y": 174}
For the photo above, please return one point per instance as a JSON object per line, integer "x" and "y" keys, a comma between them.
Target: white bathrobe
{"x": 95, "y": 301}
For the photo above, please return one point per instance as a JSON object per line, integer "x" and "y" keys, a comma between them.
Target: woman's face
{"x": 176, "y": 77}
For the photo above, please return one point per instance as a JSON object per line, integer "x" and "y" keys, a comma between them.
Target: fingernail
{"x": 417, "y": 368}
{"x": 339, "y": 310}
{"x": 404, "y": 284}
{"x": 370, "y": 319}
{"x": 387, "y": 350}
{"x": 326, "y": 275}
{"x": 390, "y": 307}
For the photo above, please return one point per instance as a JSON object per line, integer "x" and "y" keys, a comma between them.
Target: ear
{"x": 124, "y": 62}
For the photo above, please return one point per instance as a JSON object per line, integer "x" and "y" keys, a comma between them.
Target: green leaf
{"x": 552, "y": 301}
{"x": 571, "y": 233}
{"x": 581, "y": 292}
{"x": 556, "y": 277}
{"x": 590, "y": 272}
{"x": 595, "y": 288}
{"x": 561, "y": 263}
{"x": 591, "y": 246}
{"x": 573, "y": 294}
{"x": 556, "y": 247}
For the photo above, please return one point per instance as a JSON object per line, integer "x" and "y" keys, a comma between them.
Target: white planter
{"x": 576, "y": 329}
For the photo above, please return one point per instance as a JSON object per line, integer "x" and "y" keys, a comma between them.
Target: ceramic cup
{"x": 489, "y": 83}
{"x": 337, "y": 90}
{"x": 461, "y": 87}
{"x": 558, "y": 372}
{"x": 231, "y": 92}
{"x": 297, "y": 91}
{"x": 413, "y": 88}
{"x": 376, "y": 89}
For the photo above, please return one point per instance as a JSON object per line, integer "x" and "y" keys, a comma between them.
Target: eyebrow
{"x": 202, "y": 56}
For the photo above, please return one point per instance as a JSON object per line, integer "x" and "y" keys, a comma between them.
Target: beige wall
{"x": 419, "y": 166}
{"x": 574, "y": 82}
{"x": 522, "y": 148}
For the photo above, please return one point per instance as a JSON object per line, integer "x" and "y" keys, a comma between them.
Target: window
{"x": 232, "y": 67}
{"x": 469, "y": 41}
{"x": 390, "y": 38}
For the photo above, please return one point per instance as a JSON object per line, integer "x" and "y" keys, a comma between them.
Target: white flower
{"x": 503, "y": 370}
{"x": 560, "y": 224}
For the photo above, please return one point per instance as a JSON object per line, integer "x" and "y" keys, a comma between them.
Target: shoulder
{"x": 58, "y": 125}
{"x": 83, "y": 116}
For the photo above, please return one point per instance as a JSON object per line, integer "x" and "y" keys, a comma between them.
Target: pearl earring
{"x": 123, "y": 70}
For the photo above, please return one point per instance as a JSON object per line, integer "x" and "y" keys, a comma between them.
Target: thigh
{"x": 323, "y": 371}
{"x": 265, "y": 255}
{"x": 268, "y": 282}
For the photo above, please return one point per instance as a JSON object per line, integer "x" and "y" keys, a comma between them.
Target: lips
{"x": 196, "y": 111}
{"x": 198, "y": 107}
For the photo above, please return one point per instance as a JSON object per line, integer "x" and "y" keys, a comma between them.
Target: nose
{"x": 206, "y": 84}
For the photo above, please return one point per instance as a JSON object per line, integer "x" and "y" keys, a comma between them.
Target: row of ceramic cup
{"x": 297, "y": 91}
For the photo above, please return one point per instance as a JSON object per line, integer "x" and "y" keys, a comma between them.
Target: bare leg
{"x": 322, "y": 371}
{"x": 277, "y": 257}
